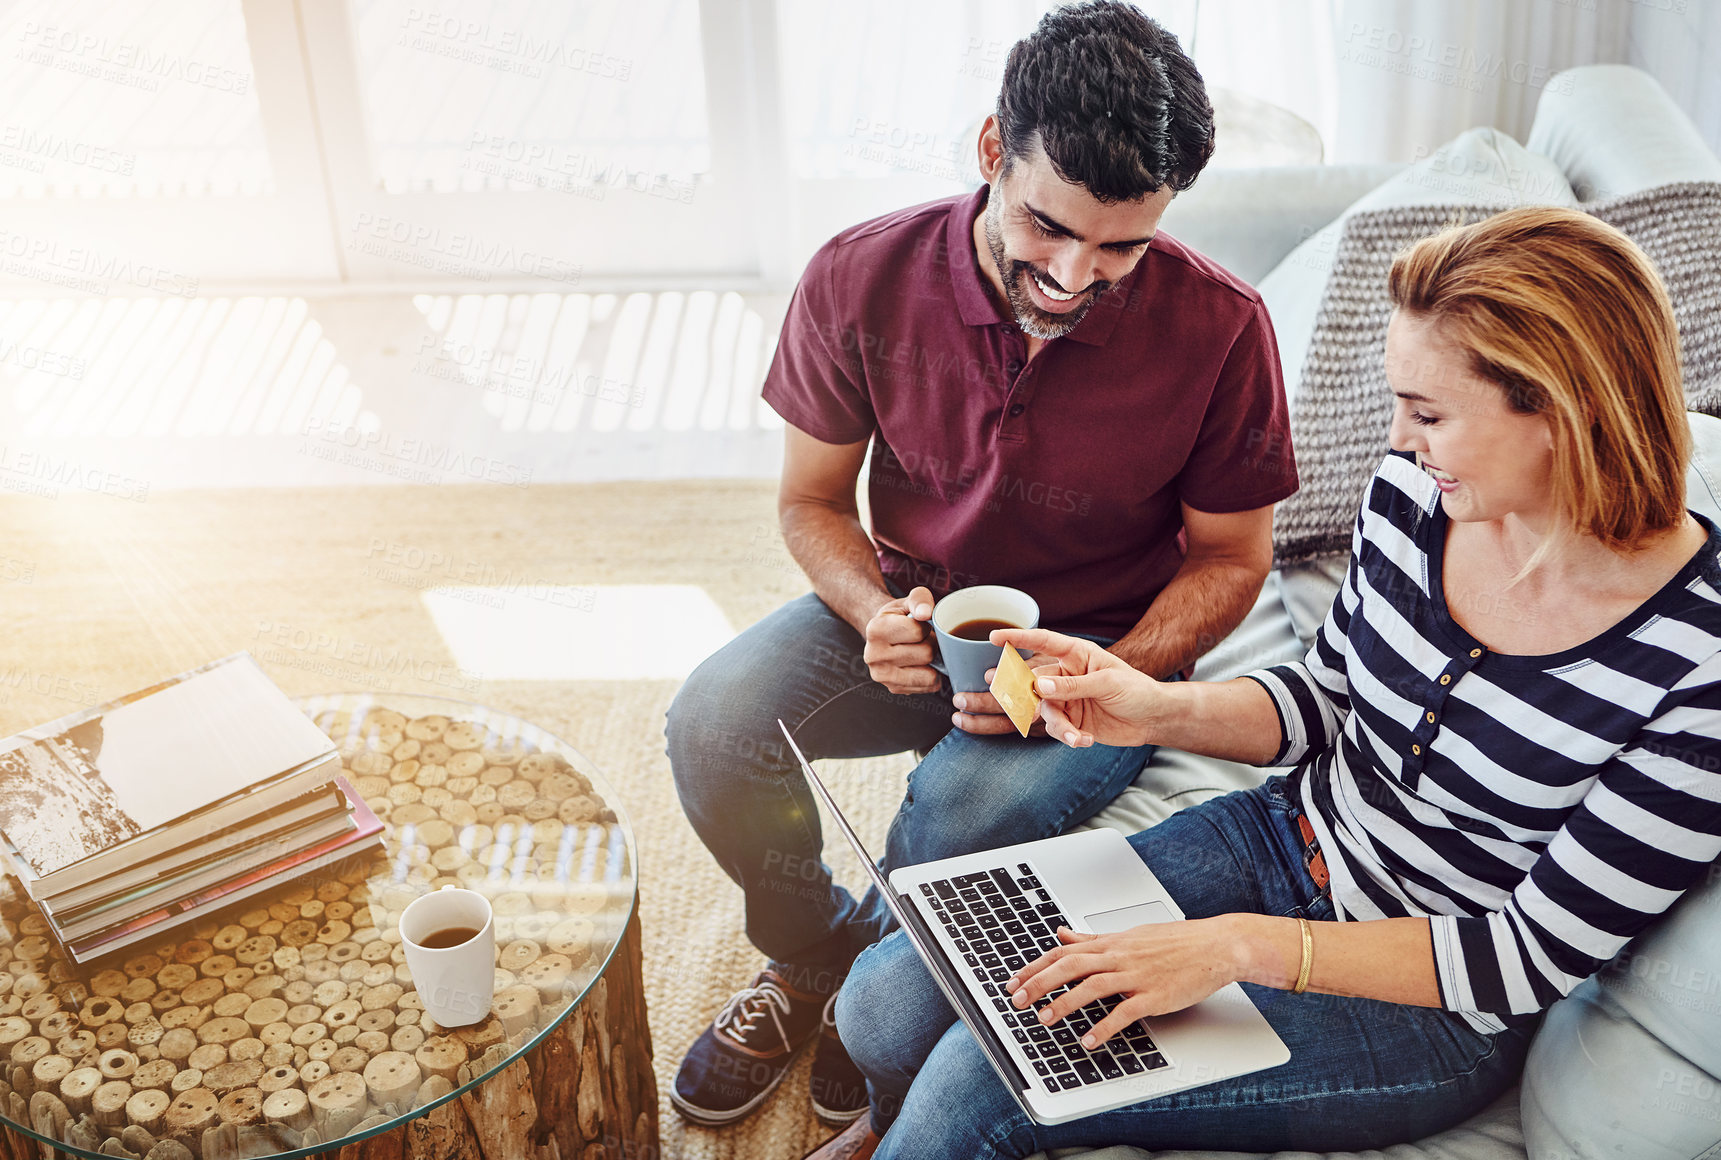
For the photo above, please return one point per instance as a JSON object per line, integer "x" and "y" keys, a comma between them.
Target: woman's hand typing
{"x": 1158, "y": 968}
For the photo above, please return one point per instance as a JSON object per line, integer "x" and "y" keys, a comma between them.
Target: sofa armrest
{"x": 1614, "y": 130}
{"x": 1247, "y": 220}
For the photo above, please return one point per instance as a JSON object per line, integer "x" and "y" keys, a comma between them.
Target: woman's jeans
{"x": 1362, "y": 1073}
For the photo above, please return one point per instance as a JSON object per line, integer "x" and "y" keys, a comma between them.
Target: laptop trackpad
{"x": 1111, "y": 921}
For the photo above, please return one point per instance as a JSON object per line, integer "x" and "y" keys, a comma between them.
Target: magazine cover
{"x": 84, "y": 783}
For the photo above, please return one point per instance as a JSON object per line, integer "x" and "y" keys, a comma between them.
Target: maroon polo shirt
{"x": 1061, "y": 476}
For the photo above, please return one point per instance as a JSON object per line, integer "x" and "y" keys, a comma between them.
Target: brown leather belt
{"x": 1312, "y": 856}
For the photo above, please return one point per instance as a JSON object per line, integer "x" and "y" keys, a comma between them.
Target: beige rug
{"x": 103, "y": 595}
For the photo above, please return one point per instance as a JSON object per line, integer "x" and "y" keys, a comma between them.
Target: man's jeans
{"x": 1362, "y": 1073}
{"x": 748, "y": 801}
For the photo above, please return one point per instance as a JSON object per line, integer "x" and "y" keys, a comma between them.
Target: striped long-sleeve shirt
{"x": 1539, "y": 810}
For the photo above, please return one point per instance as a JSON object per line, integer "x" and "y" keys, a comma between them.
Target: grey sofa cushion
{"x": 1612, "y": 131}
{"x": 1653, "y": 1018}
{"x": 1248, "y": 220}
{"x": 1478, "y": 167}
{"x": 1492, "y": 1134}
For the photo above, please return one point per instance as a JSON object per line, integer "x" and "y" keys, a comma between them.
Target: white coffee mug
{"x": 455, "y": 983}
{"x": 966, "y": 661}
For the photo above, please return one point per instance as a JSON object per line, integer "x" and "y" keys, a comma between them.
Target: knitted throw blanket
{"x": 1339, "y": 422}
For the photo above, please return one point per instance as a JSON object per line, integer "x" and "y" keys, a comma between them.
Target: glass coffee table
{"x": 287, "y": 1025}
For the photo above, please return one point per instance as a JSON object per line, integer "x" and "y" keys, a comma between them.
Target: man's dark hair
{"x": 1111, "y": 97}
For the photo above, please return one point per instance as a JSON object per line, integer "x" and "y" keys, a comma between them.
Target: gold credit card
{"x": 1013, "y": 686}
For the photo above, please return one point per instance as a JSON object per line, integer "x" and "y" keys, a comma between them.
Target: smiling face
{"x": 1488, "y": 461}
{"x": 1054, "y": 248}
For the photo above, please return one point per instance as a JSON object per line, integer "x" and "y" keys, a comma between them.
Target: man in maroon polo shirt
{"x": 1057, "y": 397}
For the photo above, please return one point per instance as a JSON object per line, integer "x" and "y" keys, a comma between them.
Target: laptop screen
{"x": 871, "y": 867}
{"x": 921, "y": 936}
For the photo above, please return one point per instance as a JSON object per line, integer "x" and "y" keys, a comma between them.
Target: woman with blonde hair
{"x": 1505, "y": 742}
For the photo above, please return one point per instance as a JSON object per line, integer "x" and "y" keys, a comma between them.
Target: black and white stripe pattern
{"x": 1540, "y": 810}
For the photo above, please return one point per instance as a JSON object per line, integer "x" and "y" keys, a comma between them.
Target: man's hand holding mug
{"x": 898, "y": 650}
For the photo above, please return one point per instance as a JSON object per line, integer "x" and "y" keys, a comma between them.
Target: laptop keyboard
{"x": 1003, "y": 920}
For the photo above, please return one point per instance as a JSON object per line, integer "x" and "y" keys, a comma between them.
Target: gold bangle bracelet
{"x": 1308, "y": 958}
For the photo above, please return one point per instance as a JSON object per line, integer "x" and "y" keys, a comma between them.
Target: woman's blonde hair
{"x": 1569, "y": 318}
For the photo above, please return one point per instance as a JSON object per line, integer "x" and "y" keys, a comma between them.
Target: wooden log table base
{"x": 293, "y": 1023}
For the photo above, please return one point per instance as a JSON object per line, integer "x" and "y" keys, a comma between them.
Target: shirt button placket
{"x": 1429, "y": 726}
{"x": 1021, "y": 394}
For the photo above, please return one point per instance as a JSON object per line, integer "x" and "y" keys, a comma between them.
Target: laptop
{"x": 976, "y": 919}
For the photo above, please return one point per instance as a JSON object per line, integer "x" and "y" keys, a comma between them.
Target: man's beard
{"x": 1035, "y": 323}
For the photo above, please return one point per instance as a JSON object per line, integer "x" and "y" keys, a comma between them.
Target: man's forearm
{"x": 834, "y": 550}
{"x": 1198, "y": 609}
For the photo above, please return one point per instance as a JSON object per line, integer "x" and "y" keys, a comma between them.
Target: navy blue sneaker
{"x": 838, "y": 1087}
{"x": 735, "y": 1063}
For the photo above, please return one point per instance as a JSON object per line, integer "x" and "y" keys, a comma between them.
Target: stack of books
{"x": 125, "y": 820}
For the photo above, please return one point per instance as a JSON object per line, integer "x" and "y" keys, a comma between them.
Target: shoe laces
{"x": 749, "y": 1005}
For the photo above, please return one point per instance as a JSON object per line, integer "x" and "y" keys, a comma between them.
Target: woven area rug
{"x": 104, "y": 595}
{"x": 1343, "y": 408}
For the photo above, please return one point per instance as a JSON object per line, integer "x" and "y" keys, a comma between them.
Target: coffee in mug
{"x": 449, "y": 938}
{"x": 980, "y": 629}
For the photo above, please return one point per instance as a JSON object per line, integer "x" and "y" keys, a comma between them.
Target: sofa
{"x": 1626, "y": 1067}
